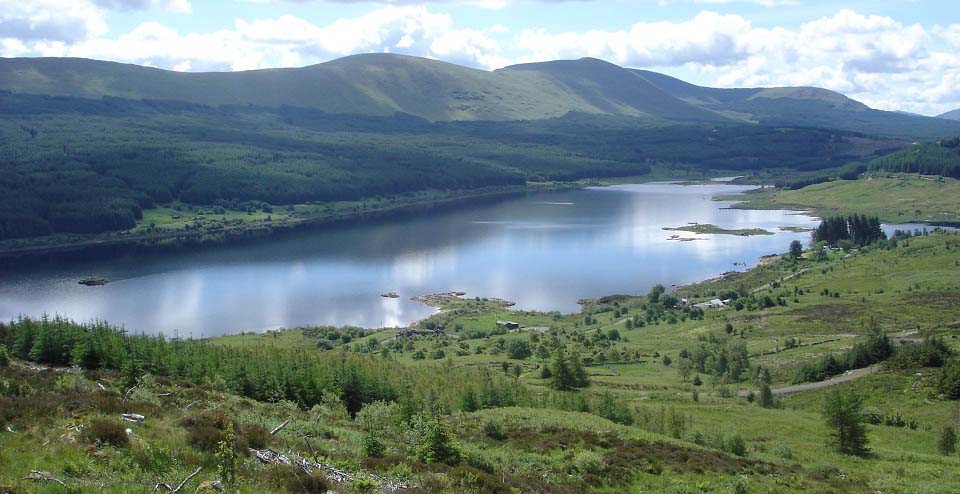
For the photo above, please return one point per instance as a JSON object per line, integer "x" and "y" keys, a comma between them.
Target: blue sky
{"x": 890, "y": 54}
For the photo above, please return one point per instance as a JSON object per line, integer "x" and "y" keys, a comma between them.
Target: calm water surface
{"x": 543, "y": 250}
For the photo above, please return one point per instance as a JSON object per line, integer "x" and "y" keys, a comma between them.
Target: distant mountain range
{"x": 384, "y": 84}
{"x": 951, "y": 115}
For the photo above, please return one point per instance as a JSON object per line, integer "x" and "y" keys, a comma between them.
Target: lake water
{"x": 543, "y": 250}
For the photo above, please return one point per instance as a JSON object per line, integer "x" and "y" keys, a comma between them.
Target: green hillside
{"x": 383, "y": 84}
{"x": 809, "y": 106}
{"x": 86, "y": 166}
{"x": 611, "y": 89}
{"x": 952, "y": 115}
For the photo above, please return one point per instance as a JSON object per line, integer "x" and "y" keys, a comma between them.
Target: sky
{"x": 890, "y": 54}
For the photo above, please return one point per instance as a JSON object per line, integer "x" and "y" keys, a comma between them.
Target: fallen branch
{"x": 132, "y": 417}
{"x": 38, "y": 476}
{"x": 126, "y": 396}
{"x": 171, "y": 489}
{"x": 279, "y": 427}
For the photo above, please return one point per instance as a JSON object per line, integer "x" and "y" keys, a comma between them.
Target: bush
{"x": 734, "y": 444}
{"x": 256, "y": 436}
{"x": 518, "y": 350}
{"x": 227, "y": 456}
{"x": 106, "y": 432}
{"x": 872, "y": 415}
{"x": 491, "y": 429}
{"x": 4, "y": 356}
{"x": 372, "y": 446}
{"x": 783, "y": 451}
{"x": 206, "y": 431}
{"x": 588, "y": 462}
{"x": 292, "y": 479}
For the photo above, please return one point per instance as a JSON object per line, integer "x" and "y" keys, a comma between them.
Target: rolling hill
{"x": 801, "y": 106}
{"x": 383, "y": 84}
{"x": 951, "y": 115}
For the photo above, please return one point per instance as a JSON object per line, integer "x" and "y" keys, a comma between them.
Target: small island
{"x": 703, "y": 228}
{"x": 796, "y": 229}
{"x": 93, "y": 281}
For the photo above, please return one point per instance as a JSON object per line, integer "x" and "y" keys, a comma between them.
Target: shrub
{"x": 588, "y": 462}
{"x": 734, "y": 444}
{"x": 518, "y": 350}
{"x": 256, "y": 436}
{"x": 783, "y": 451}
{"x": 872, "y": 415}
{"x": 372, "y": 446}
{"x": 292, "y": 479}
{"x": 491, "y": 429}
{"x": 363, "y": 485}
{"x": 4, "y": 356}
{"x": 205, "y": 431}
{"x": 106, "y": 432}
{"x": 227, "y": 456}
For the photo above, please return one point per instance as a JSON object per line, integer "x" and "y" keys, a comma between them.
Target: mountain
{"x": 804, "y": 106}
{"x": 951, "y": 115}
{"x": 384, "y": 84}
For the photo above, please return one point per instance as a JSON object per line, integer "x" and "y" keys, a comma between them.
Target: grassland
{"x": 903, "y": 198}
{"x": 680, "y": 438}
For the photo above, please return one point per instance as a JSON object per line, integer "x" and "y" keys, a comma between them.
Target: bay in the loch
{"x": 542, "y": 250}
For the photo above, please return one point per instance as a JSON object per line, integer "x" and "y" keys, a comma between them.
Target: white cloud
{"x": 177, "y": 6}
{"x": 284, "y": 41}
{"x": 875, "y": 59}
{"x": 56, "y": 20}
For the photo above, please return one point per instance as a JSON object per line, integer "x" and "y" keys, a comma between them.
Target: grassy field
{"x": 901, "y": 199}
{"x": 680, "y": 437}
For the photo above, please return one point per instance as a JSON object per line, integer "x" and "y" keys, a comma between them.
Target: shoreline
{"x": 235, "y": 233}
{"x": 81, "y": 244}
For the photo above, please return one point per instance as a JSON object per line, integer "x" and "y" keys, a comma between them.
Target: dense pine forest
{"x": 930, "y": 158}
{"x": 75, "y": 165}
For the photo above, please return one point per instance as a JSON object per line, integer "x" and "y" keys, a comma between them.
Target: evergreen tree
{"x": 23, "y": 342}
{"x": 947, "y": 442}
{"x": 581, "y": 380}
{"x": 842, "y": 413}
{"x": 567, "y": 371}
{"x": 437, "y": 445}
{"x": 4, "y": 356}
{"x": 766, "y": 396}
{"x": 468, "y": 400}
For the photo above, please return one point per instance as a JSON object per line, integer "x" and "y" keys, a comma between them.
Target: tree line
{"x": 930, "y": 158}
{"x": 858, "y": 229}
{"x": 264, "y": 373}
